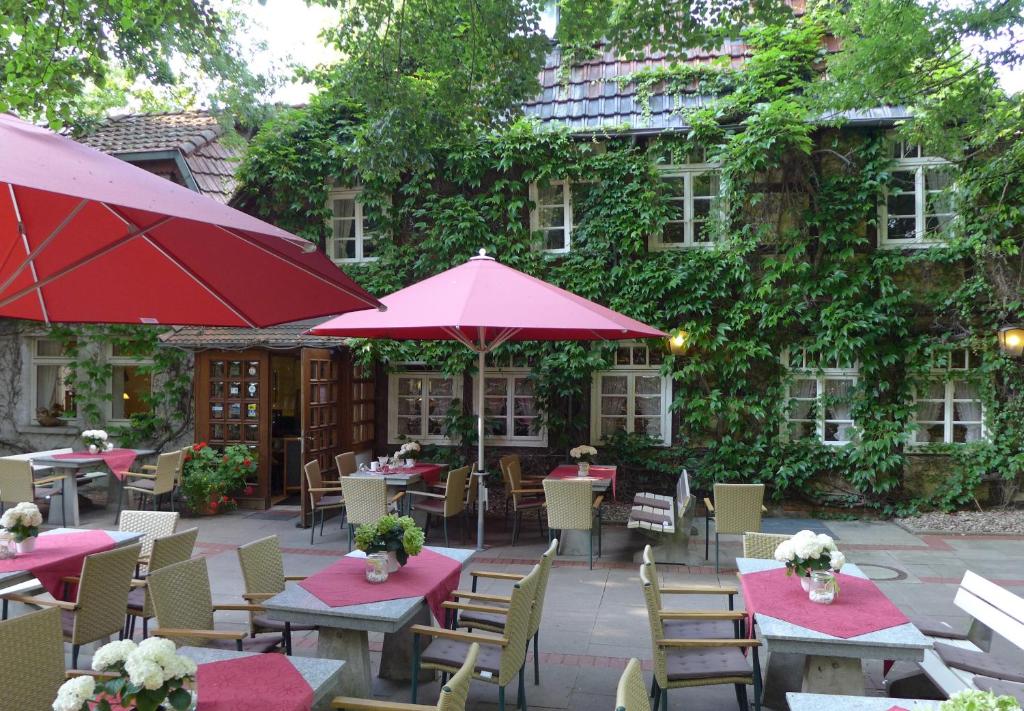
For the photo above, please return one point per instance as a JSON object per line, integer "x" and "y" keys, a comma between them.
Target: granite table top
{"x": 816, "y": 702}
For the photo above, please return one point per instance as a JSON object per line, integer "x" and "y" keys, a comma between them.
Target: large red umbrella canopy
{"x": 86, "y": 237}
{"x": 483, "y": 304}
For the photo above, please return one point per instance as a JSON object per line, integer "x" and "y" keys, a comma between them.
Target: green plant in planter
{"x": 213, "y": 478}
{"x": 391, "y": 534}
{"x": 979, "y": 701}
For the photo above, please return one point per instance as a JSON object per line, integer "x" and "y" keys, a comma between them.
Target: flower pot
{"x": 26, "y": 546}
{"x": 584, "y": 469}
{"x": 805, "y": 583}
{"x": 410, "y": 462}
{"x": 393, "y": 564}
{"x": 93, "y": 449}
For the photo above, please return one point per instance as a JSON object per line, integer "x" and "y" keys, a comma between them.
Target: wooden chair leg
{"x": 536, "y": 659}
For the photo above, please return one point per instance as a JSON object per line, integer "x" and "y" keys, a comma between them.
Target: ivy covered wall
{"x": 797, "y": 267}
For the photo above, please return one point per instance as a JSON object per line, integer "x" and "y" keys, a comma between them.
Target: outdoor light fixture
{"x": 1011, "y": 340}
{"x": 679, "y": 342}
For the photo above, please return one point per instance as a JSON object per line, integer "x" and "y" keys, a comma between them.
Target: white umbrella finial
{"x": 482, "y": 254}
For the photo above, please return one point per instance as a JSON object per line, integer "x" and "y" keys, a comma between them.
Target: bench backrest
{"x": 993, "y": 607}
{"x": 683, "y": 494}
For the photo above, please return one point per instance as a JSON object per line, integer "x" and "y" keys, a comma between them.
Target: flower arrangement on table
{"x": 398, "y": 536}
{"x": 408, "y": 452}
{"x": 144, "y": 676}
{"x": 808, "y": 551}
{"x": 22, "y": 522}
{"x": 97, "y": 441}
{"x": 211, "y": 478}
{"x": 979, "y": 701}
{"x": 583, "y": 454}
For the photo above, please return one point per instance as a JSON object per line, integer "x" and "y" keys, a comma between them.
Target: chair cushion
{"x": 67, "y": 622}
{"x": 643, "y": 499}
{"x": 979, "y": 662}
{"x": 1000, "y": 687}
{"x": 699, "y": 629}
{"x": 266, "y": 624}
{"x": 529, "y": 502}
{"x": 332, "y": 500}
{"x": 937, "y": 628}
{"x": 451, "y": 655}
{"x": 262, "y": 643}
{"x": 146, "y": 484}
{"x": 716, "y": 662}
{"x": 430, "y": 505}
{"x": 482, "y": 620}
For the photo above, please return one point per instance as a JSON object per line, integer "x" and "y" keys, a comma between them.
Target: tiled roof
{"x": 195, "y": 135}
{"x": 282, "y": 336}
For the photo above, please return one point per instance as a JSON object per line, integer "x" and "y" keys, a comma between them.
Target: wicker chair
{"x": 761, "y": 545}
{"x": 630, "y": 695}
{"x": 184, "y": 607}
{"x": 682, "y": 662}
{"x": 737, "y": 508}
{"x": 166, "y": 550}
{"x": 447, "y": 505}
{"x": 453, "y": 697}
{"x": 366, "y": 501}
{"x": 501, "y": 658}
{"x": 323, "y": 497}
{"x": 99, "y": 608}
{"x": 495, "y": 621}
{"x": 346, "y": 463}
{"x": 523, "y": 499}
{"x": 18, "y": 483}
{"x": 177, "y": 474}
{"x": 572, "y": 506}
{"x": 152, "y": 525}
{"x": 32, "y": 665}
{"x": 159, "y": 483}
{"x": 263, "y": 573}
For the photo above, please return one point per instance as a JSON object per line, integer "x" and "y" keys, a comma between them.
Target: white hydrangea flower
{"x": 826, "y": 542}
{"x": 73, "y": 693}
{"x": 806, "y": 545}
{"x": 112, "y": 653}
{"x": 837, "y": 560}
{"x": 785, "y": 551}
{"x": 144, "y": 672}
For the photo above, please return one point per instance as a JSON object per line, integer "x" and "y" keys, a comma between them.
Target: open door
{"x": 321, "y": 431}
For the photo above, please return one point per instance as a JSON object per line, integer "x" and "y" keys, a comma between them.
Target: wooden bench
{"x": 963, "y": 661}
{"x": 667, "y": 520}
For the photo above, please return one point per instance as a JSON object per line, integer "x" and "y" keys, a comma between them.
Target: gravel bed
{"x": 966, "y": 522}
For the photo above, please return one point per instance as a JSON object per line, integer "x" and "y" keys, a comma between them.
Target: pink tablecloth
{"x": 119, "y": 461}
{"x": 429, "y": 575}
{"x": 430, "y": 473}
{"x": 59, "y": 555}
{"x": 268, "y": 682}
{"x": 860, "y": 608}
{"x": 597, "y": 471}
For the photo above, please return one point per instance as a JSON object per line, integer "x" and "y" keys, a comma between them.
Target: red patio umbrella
{"x": 483, "y": 304}
{"x": 86, "y": 237}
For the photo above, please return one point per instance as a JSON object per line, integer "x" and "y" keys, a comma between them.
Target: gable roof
{"x": 193, "y": 139}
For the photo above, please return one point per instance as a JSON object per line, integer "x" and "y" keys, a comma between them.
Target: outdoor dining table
{"x": 343, "y": 630}
{"x": 816, "y": 702}
{"x": 322, "y": 675}
{"x": 401, "y": 477}
{"x": 832, "y": 663}
{"x": 68, "y": 466}
{"x": 602, "y": 478}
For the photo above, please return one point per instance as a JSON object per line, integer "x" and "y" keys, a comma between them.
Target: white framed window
{"x": 552, "y": 215}
{"x": 355, "y": 229}
{"x": 511, "y": 413}
{"x": 819, "y": 398}
{"x": 131, "y": 385}
{"x": 917, "y": 208}
{"x": 948, "y": 407}
{"x": 692, "y": 191}
{"x": 632, "y": 396}
{"x": 419, "y": 403}
{"x": 52, "y": 379}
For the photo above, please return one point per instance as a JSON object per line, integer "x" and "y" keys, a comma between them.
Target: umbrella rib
{"x": 35, "y": 252}
{"x": 374, "y": 303}
{"x": 459, "y": 336}
{"x": 28, "y": 250}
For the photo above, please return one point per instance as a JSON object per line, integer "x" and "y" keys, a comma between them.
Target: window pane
{"x": 801, "y": 430}
{"x": 554, "y": 239}
{"x": 410, "y": 386}
{"x": 50, "y": 348}
{"x": 705, "y": 185}
{"x": 935, "y": 390}
{"x": 409, "y": 426}
{"x": 675, "y": 186}
{"x": 610, "y": 425}
{"x": 495, "y": 406}
{"x": 804, "y": 388}
{"x": 524, "y": 387}
{"x": 963, "y": 390}
{"x": 525, "y": 407}
{"x": 129, "y": 390}
{"x": 551, "y": 194}
{"x": 901, "y": 228}
{"x": 552, "y": 217}
{"x": 931, "y": 411}
{"x": 54, "y": 388}
{"x": 935, "y": 432}
{"x": 648, "y": 385}
{"x": 802, "y": 410}
{"x": 495, "y": 386}
{"x": 838, "y": 431}
{"x": 408, "y": 406}
{"x": 648, "y": 406}
{"x": 344, "y": 207}
{"x": 614, "y": 385}
{"x": 442, "y": 386}
{"x": 647, "y": 425}
{"x": 613, "y": 405}
{"x": 966, "y": 433}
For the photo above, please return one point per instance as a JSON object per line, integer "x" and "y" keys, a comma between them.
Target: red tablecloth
{"x": 429, "y": 575}
{"x": 860, "y": 607}
{"x": 597, "y": 471}
{"x": 58, "y": 555}
{"x": 430, "y": 473}
{"x": 897, "y": 708}
{"x": 119, "y": 461}
{"x": 268, "y": 682}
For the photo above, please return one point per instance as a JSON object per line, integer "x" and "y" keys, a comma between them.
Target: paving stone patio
{"x": 594, "y": 621}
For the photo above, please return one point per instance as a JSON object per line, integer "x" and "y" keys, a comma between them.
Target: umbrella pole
{"x": 481, "y": 499}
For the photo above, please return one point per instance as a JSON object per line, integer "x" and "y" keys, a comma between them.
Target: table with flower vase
{"x": 343, "y": 626}
{"x": 602, "y": 478}
{"x": 69, "y": 463}
{"x": 833, "y": 640}
{"x": 321, "y": 676}
{"x": 402, "y": 477}
{"x": 816, "y": 702}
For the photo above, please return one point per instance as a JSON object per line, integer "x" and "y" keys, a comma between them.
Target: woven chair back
{"x": 631, "y": 694}
{"x": 654, "y": 620}
{"x": 180, "y": 471}
{"x": 570, "y": 504}
{"x": 32, "y": 665}
{"x": 738, "y": 507}
{"x": 455, "y": 693}
{"x": 652, "y": 571}
{"x": 169, "y": 550}
{"x": 167, "y": 467}
{"x": 761, "y": 545}
{"x": 545, "y": 564}
{"x": 103, "y": 593}
{"x": 455, "y": 494}
{"x": 346, "y": 463}
{"x": 512, "y": 476}
{"x": 16, "y": 481}
{"x": 366, "y": 499}
{"x": 472, "y": 491}
{"x": 151, "y": 524}
{"x": 182, "y": 598}
{"x": 314, "y": 480}
{"x": 517, "y": 626}
{"x": 262, "y": 565}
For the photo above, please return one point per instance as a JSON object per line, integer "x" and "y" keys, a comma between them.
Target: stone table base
{"x": 833, "y": 675}
{"x": 353, "y": 647}
{"x": 396, "y": 656}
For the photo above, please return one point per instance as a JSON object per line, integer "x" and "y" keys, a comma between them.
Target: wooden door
{"x": 233, "y": 407}
{"x": 321, "y": 427}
